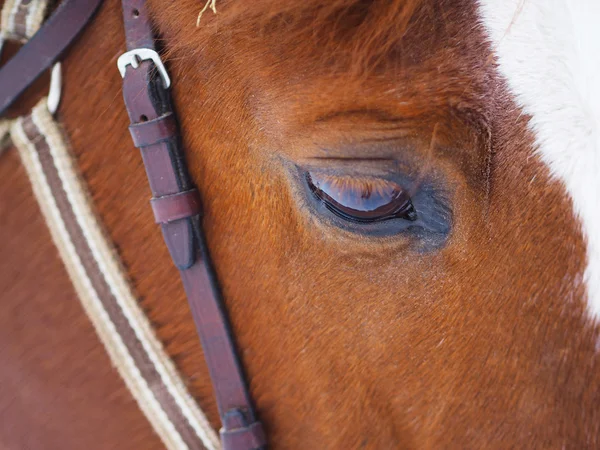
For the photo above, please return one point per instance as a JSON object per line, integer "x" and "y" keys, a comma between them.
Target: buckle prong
{"x": 134, "y": 57}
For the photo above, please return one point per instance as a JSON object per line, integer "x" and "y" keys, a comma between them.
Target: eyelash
{"x": 367, "y": 200}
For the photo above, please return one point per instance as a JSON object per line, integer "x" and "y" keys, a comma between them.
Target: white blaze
{"x": 549, "y": 53}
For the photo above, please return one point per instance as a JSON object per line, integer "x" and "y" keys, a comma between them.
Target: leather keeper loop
{"x": 251, "y": 437}
{"x": 176, "y": 206}
{"x": 153, "y": 131}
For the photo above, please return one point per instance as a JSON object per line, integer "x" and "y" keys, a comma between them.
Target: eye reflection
{"x": 361, "y": 199}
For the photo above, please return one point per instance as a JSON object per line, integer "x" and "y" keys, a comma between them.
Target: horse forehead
{"x": 546, "y": 51}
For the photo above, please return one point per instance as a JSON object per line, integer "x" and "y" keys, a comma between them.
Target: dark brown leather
{"x": 153, "y": 129}
{"x": 176, "y": 206}
{"x": 253, "y": 435}
{"x": 44, "y": 48}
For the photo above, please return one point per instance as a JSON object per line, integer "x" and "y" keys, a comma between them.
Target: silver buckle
{"x": 136, "y": 56}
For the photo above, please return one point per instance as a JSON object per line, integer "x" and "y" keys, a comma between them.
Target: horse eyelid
{"x": 365, "y": 200}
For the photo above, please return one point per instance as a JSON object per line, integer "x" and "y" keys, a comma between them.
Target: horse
{"x": 461, "y": 311}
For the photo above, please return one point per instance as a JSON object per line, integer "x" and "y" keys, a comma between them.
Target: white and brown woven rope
{"x": 20, "y": 19}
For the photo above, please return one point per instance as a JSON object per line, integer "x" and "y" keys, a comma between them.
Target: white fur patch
{"x": 549, "y": 53}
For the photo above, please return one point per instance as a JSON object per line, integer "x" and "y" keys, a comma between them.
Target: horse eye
{"x": 362, "y": 200}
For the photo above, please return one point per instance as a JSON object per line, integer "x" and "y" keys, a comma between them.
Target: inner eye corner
{"x": 361, "y": 199}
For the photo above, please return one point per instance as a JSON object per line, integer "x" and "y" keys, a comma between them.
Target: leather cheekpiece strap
{"x": 177, "y": 208}
{"x": 170, "y": 208}
{"x": 44, "y": 48}
{"x": 154, "y": 131}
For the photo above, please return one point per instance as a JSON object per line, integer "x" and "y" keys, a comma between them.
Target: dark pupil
{"x": 362, "y": 200}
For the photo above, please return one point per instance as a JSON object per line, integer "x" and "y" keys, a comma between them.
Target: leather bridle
{"x": 176, "y": 203}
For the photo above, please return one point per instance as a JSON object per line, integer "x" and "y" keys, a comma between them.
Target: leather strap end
{"x": 170, "y": 211}
{"x": 176, "y": 206}
{"x": 180, "y": 240}
{"x": 153, "y": 131}
{"x": 251, "y": 437}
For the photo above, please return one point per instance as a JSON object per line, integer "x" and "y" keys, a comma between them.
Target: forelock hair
{"x": 362, "y": 33}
